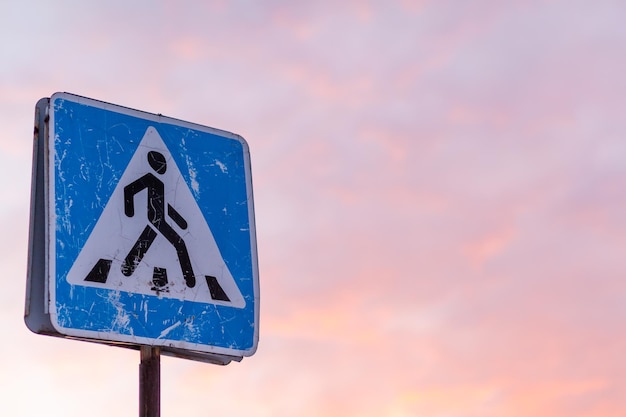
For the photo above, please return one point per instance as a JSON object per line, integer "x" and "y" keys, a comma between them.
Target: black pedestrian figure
{"x": 156, "y": 217}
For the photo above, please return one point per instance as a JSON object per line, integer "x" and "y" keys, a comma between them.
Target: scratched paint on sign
{"x": 182, "y": 274}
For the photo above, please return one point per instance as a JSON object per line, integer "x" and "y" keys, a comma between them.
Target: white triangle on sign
{"x": 141, "y": 251}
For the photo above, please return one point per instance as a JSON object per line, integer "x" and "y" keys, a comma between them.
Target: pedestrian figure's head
{"x": 157, "y": 162}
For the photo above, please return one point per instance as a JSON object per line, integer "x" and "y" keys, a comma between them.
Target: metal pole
{"x": 150, "y": 382}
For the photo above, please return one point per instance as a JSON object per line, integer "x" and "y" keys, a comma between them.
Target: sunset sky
{"x": 439, "y": 187}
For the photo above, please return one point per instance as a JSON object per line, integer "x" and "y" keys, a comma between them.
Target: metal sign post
{"x": 150, "y": 382}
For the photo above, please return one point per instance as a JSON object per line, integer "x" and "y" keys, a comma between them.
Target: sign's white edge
{"x": 51, "y": 229}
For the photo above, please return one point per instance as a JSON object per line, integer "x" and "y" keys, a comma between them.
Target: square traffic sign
{"x": 150, "y": 230}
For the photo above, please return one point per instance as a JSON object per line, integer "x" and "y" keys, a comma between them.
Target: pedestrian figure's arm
{"x": 178, "y": 219}
{"x": 129, "y": 194}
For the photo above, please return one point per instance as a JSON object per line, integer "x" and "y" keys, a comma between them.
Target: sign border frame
{"x": 193, "y": 349}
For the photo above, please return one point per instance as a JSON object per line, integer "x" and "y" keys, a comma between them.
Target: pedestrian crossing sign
{"x": 151, "y": 236}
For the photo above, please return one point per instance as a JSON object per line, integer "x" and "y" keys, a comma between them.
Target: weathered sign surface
{"x": 149, "y": 229}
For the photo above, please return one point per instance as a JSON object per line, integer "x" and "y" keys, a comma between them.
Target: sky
{"x": 437, "y": 187}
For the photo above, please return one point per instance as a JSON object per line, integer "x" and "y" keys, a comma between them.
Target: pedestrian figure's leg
{"x": 138, "y": 251}
{"x": 185, "y": 262}
{"x": 181, "y": 249}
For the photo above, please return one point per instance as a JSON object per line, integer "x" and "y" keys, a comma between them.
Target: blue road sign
{"x": 151, "y": 236}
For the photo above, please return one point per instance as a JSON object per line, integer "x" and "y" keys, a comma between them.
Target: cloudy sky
{"x": 439, "y": 189}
